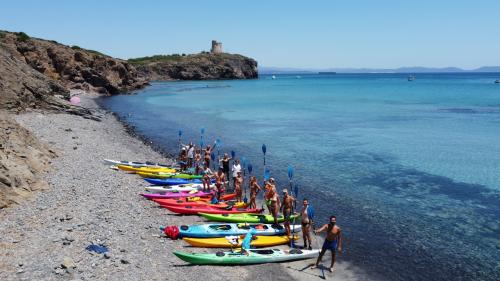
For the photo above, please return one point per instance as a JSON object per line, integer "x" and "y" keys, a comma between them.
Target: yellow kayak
{"x": 146, "y": 169}
{"x": 235, "y": 241}
{"x": 163, "y": 175}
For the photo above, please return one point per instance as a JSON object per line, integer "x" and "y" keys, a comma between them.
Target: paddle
{"x": 180, "y": 135}
{"x": 212, "y": 156}
{"x": 264, "y": 150}
{"x": 233, "y": 154}
{"x": 245, "y": 166}
{"x": 202, "y": 131}
{"x": 217, "y": 144}
{"x": 290, "y": 177}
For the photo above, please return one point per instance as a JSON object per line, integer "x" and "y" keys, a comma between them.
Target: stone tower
{"x": 216, "y": 47}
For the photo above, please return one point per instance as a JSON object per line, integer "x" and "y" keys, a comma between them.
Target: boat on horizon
{"x": 273, "y": 77}
{"x": 411, "y": 78}
{"x": 497, "y": 81}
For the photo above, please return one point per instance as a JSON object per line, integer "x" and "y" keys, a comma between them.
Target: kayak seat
{"x": 278, "y": 227}
{"x": 225, "y": 215}
{"x": 220, "y": 254}
{"x": 184, "y": 227}
{"x": 263, "y": 252}
{"x": 295, "y": 252}
{"x": 220, "y": 227}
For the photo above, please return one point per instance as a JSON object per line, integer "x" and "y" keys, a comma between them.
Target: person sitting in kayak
{"x": 307, "y": 216}
{"x": 254, "y": 190}
{"x": 286, "y": 208}
{"x": 237, "y": 187}
{"x": 207, "y": 177}
{"x": 333, "y": 241}
{"x": 272, "y": 199}
{"x": 220, "y": 179}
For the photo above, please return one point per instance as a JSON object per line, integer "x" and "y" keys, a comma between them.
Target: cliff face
{"x": 23, "y": 160}
{"x": 197, "y": 67}
{"x": 73, "y": 67}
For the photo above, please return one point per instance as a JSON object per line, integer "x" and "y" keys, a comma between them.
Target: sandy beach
{"x": 89, "y": 203}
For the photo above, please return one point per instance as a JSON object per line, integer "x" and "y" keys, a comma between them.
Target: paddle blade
{"x": 217, "y": 143}
{"x": 180, "y": 132}
{"x": 202, "y": 130}
{"x": 296, "y": 190}
{"x": 201, "y": 143}
{"x": 290, "y": 172}
{"x": 212, "y": 156}
{"x": 250, "y": 168}
{"x": 264, "y": 148}
{"x": 233, "y": 153}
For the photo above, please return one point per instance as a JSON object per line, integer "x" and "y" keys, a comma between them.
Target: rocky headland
{"x": 203, "y": 66}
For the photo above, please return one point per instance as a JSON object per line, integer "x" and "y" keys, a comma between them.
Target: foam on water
{"x": 412, "y": 169}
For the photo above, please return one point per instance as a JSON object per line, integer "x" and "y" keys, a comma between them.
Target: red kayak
{"x": 194, "y": 210}
{"x": 193, "y": 200}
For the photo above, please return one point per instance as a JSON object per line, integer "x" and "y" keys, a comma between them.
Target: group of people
{"x": 190, "y": 156}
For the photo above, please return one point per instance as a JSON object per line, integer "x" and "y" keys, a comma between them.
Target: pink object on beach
{"x": 74, "y": 100}
{"x": 176, "y": 195}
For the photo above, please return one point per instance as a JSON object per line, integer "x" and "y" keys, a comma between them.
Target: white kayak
{"x": 133, "y": 163}
{"x": 174, "y": 188}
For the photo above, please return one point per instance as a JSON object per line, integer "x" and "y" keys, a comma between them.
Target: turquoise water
{"x": 411, "y": 169}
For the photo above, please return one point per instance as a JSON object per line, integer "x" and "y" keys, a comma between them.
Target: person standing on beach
{"x": 224, "y": 163}
{"x": 183, "y": 159}
{"x": 220, "y": 179}
{"x": 272, "y": 199}
{"x": 208, "y": 151}
{"x": 207, "y": 177}
{"x": 333, "y": 241}
{"x": 238, "y": 184}
{"x": 254, "y": 190}
{"x": 236, "y": 168}
{"x": 190, "y": 155}
{"x": 307, "y": 216}
{"x": 286, "y": 208}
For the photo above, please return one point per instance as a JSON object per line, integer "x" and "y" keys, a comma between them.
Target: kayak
{"x": 177, "y": 194}
{"x": 134, "y": 164}
{"x": 235, "y": 241}
{"x": 161, "y": 175}
{"x": 180, "y": 203}
{"x": 222, "y": 230}
{"x": 171, "y": 188}
{"x": 148, "y": 169}
{"x": 194, "y": 210}
{"x": 225, "y": 197}
{"x": 252, "y": 256}
{"x": 252, "y": 218}
{"x": 170, "y": 181}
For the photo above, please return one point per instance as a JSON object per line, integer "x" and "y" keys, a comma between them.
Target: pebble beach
{"x": 88, "y": 203}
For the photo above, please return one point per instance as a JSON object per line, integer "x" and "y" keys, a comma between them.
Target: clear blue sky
{"x": 317, "y": 34}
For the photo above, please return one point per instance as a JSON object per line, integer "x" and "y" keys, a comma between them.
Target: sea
{"x": 411, "y": 169}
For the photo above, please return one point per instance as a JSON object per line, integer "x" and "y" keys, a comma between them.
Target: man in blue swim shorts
{"x": 333, "y": 241}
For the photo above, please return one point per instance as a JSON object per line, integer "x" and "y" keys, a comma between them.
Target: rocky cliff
{"x": 204, "y": 66}
{"x": 23, "y": 160}
{"x": 73, "y": 67}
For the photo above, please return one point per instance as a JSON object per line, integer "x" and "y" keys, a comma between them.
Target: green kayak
{"x": 251, "y": 218}
{"x": 253, "y": 256}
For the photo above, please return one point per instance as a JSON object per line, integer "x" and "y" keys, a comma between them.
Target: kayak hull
{"x": 194, "y": 210}
{"x": 223, "y": 242}
{"x": 171, "y": 181}
{"x": 250, "y": 218}
{"x": 222, "y": 230}
{"x": 145, "y": 169}
{"x": 253, "y": 256}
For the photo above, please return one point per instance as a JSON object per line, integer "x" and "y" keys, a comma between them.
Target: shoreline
{"x": 89, "y": 203}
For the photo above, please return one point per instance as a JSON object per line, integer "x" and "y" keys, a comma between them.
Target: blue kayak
{"x": 225, "y": 229}
{"x": 171, "y": 181}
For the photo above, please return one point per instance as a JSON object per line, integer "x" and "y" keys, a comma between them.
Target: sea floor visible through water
{"x": 411, "y": 169}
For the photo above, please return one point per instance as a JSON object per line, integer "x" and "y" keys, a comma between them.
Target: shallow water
{"x": 411, "y": 169}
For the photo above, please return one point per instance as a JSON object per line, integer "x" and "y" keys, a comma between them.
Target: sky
{"x": 288, "y": 33}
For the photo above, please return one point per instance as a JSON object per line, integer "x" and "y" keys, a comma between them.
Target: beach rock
{"x": 68, "y": 263}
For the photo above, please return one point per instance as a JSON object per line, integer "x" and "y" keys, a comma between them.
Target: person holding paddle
{"x": 286, "y": 208}
{"x": 333, "y": 241}
{"x": 307, "y": 216}
{"x": 254, "y": 190}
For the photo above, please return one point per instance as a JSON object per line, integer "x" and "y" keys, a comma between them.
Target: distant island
{"x": 416, "y": 69}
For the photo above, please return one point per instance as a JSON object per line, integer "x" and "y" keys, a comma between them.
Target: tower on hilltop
{"x": 216, "y": 47}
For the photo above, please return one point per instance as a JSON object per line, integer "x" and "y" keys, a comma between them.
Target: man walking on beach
{"x": 307, "y": 216}
{"x": 333, "y": 241}
{"x": 286, "y": 208}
